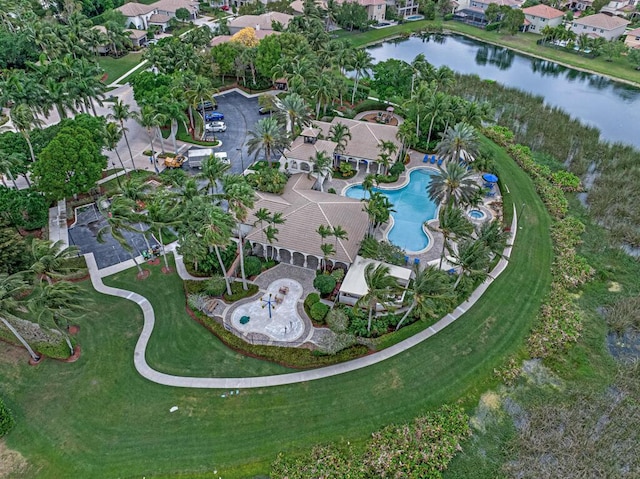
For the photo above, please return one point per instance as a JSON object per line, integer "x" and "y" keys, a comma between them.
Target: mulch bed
{"x": 143, "y": 275}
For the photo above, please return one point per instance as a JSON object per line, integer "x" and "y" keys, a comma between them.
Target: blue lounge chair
{"x": 406, "y": 260}
{"x": 416, "y": 261}
{"x": 440, "y": 161}
{"x": 425, "y": 159}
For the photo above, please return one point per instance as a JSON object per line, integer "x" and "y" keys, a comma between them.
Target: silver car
{"x": 216, "y": 126}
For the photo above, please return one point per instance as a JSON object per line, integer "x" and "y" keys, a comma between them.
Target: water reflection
{"x": 612, "y": 107}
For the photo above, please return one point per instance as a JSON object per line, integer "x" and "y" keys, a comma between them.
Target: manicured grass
{"x": 524, "y": 42}
{"x": 98, "y": 418}
{"x": 116, "y": 67}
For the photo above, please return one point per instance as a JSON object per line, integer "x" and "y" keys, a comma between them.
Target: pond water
{"x": 612, "y": 107}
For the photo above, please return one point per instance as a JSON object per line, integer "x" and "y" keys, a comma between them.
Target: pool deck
{"x": 491, "y": 205}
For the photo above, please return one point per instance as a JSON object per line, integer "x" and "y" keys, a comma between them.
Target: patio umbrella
{"x": 390, "y": 109}
{"x": 491, "y": 178}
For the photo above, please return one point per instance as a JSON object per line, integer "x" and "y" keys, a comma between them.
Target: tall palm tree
{"x": 271, "y": 233}
{"x": 459, "y": 143}
{"x": 321, "y": 166}
{"x": 267, "y": 137}
{"x": 112, "y": 135}
{"x": 429, "y": 285}
{"x": 54, "y": 304}
{"x": 327, "y": 250}
{"x": 473, "y": 259}
{"x": 436, "y": 106}
{"x": 213, "y": 169}
{"x": 216, "y": 233}
{"x": 361, "y": 64}
{"x": 340, "y": 134}
{"x": 262, "y": 215}
{"x": 339, "y": 233}
{"x": 416, "y": 104}
{"x": 162, "y": 212}
{"x": 293, "y": 108}
{"x": 121, "y": 112}
{"x": 7, "y": 163}
{"x": 174, "y": 111}
{"x": 51, "y": 260}
{"x": 378, "y": 208}
{"x": 150, "y": 120}
{"x": 452, "y": 185}
{"x": 494, "y": 237}
{"x": 119, "y": 215}
{"x": 240, "y": 198}
{"x": 324, "y": 91}
{"x": 381, "y": 289}
{"x": 324, "y": 231}
{"x": 11, "y": 287}
{"x": 24, "y": 120}
{"x": 367, "y": 184}
{"x": 453, "y": 225}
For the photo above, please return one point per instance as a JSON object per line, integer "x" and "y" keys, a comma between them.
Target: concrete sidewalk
{"x": 140, "y": 363}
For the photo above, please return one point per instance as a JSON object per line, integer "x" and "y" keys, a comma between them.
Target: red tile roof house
{"x": 600, "y": 25}
{"x": 633, "y": 38}
{"x": 158, "y": 13}
{"x": 540, "y": 16}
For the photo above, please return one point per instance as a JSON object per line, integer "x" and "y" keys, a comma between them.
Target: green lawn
{"x": 524, "y": 42}
{"x": 116, "y": 67}
{"x": 98, "y": 418}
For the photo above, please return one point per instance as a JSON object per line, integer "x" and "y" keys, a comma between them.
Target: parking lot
{"x": 240, "y": 116}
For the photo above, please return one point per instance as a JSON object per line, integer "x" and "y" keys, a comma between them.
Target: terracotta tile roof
{"x": 543, "y": 11}
{"x": 173, "y": 5}
{"x": 134, "y": 9}
{"x": 159, "y": 18}
{"x": 365, "y": 136}
{"x": 304, "y": 210}
{"x": 600, "y": 20}
{"x": 136, "y": 33}
{"x": 260, "y": 22}
{"x": 634, "y": 33}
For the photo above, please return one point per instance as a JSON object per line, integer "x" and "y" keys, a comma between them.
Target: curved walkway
{"x": 151, "y": 374}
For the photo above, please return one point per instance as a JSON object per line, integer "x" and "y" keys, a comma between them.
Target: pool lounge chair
{"x": 433, "y": 160}
{"x": 425, "y": 159}
{"x": 440, "y": 161}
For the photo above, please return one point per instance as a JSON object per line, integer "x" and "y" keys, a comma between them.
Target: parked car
{"x": 216, "y": 126}
{"x": 265, "y": 110}
{"x": 213, "y": 116}
{"x": 206, "y": 106}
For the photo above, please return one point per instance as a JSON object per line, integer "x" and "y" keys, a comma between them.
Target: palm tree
{"x": 436, "y": 106}
{"x": 162, "y": 212}
{"x": 262, "y": 215}
{"x": 367, "y": 184}
{"x": 216, "y": 233}
{"x": 7, "y": 163}
{"x": 362, "y": 63}
{"x": 323, "y": 91}
{"x": 267, "y": 137}
{"x": 459, "y": 143}
{"x": 54, "y": 304}
{"x": 327, "y": 250}
{"x": 452, "y": 224}
{"x": 494, "y": 237}
{"x": 24, "y": 120}
{"x": 150, "y": 119}
{"x": 119, "y": 215}
{"x": 416, "y": 104}
{"x": 240, "y": 198}
{"x": 381, "y": 289}
{"x": 213, "y": 169}
{"x": 473, "y": 259}
{"x": 453, "y": 185}
{"x": 271, "y": 233}
{"x": 294, "y": 110}
{"x": 340, "y": 134}
{"x": 339, "y": 233}
{"x": 324, "y": 231}
{"x": 12, "y": 287}
{"x": 379, "y": 208}
{"x": 321, "y": 166}
{"x": 121, "y": 112}
{"x": 428, "y": 286}
{"x": 51, "y": 260}
{"x": 112, "y": 135}
{"x": 174, "y": 111}
{"x": 407, "y": 135}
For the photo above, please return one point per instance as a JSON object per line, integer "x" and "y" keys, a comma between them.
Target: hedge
{"x": 6, "y": 419}
{"x": 252, "y": 266}
{"x": 237, "y": 292}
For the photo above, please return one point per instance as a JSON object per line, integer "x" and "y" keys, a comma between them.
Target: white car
{"x": 216, "y": 126}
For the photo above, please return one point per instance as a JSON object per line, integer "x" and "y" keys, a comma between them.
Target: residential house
{"x": 354, "y": 285}
{"x": 105, "y": 48}
{"x": 600, "y": 25}
{"x": 159, "y": 20}
{"x": 633, "y": 38}
{"x": 578, "y": 5}
{"x": 298, "y": 6}
{"x": 472, "y": 11}
{"x": 169, "y": 7}
{"x": 540, "y": 16}
{"x": 138, "y": 38}
{"x": 299, "y": 156}
{"x": 259, "y": 22}
{"x": 404, "y": 8}
{"x": 304, "y": 210}
{"x": 376, "y": 9}
{"x": 623, "y": 8}
{"x": 137, "y": 14}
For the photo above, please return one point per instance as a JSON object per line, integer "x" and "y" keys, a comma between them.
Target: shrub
{"x": 324, "y": 283}
{"x": 238, "y": 293}
{"x": 332, "y": 191}
{"x": 195, "y": 287}
{"x": 310, "y": 300}
{"x": 252, "y": 266}
{"x": 381, "y": 251}
{"x": 269, "y": 180}
{"x": 6, "y": 419}
{"x": 338, "y": 274}
{"x": 24, "y": 208}
{"x": 215, "y": 286}
{"x": 318, "y": 312}
{"x": 337, "y": 320}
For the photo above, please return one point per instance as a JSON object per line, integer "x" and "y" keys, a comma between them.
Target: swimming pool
{"x": 476, "y": 214}
{"x": 413, "y": 207}
{"x": 413, "y": 18}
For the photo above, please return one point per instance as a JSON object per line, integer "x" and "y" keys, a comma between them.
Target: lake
{"x": 612, "y": 107}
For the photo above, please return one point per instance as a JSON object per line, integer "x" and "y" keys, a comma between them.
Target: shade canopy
{"x": 491, "y": 178}
{"x": 390, "y": 109}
